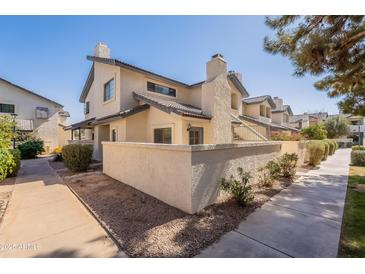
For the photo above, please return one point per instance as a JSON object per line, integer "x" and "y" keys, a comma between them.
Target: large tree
{"x": 329, "y": 46}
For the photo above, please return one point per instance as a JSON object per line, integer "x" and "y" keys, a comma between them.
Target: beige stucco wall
{"x": 298, "y": 147}
{"x": 25, "y": 103}
{"x": 102, "y": 74}
{"x": 253, "y": 110}
{"x": 277, "y": 118}
{"x": 192, "y": 182}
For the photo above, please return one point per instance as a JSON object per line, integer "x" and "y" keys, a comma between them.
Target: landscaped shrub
{"x": 16, "y": 158}
{"x": 274, "y": 169}
{"x": 240, "y": 189}
{"x": 314, "y": 132}
{"x": 333, "y": 147}
{"x": 264, "y": 177}
{"x": 30, "y": 149}
{"x": 316, "y": 150}
{"x": 358, "y": 157}
{"x": 77, "y": 157}
{"x": 358, "y": 148}
{"x": 288, "y": 164}
{"x": 281, "y": 136}
{"x": 326, "y": 150}
{"x": 7, "y": 163}
{"x": 337, "y": 127}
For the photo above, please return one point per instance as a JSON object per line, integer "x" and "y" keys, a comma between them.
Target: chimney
{"x": 216, "y": 66}
{"x": 279, "y": 103}
{"x": 102, "y": 50}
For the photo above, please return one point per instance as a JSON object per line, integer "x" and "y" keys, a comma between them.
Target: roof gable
{"x": 259, "y": 99}
{"x": 31, "y": 92}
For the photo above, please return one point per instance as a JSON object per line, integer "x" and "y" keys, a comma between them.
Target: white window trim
{"x": 115, "y": 90}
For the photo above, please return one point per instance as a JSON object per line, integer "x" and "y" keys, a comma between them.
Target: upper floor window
{"x": 87, "y": 108}
{"x": 262, "y": 110}
{"x": 7, "y": 108}
{"x": 268, "y": 112}
{"x": 163, "y": 135}
{"x": 41, "y": 113}
{"x": 161, "y": 89}
{"x": 234, "y": 101}
{"x": 109, "y": 88}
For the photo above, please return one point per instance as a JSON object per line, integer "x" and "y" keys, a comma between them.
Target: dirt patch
{"x": 62, "y": 171}
{"x": 147, "y": 227}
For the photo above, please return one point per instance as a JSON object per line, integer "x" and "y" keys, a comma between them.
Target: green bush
{"x": 358, "y": 157}
{"x": 274, "y": 169}
{"x": 7, "y": 163}
{"x": 358, "y": 148}
{"x": 326, "y": 150}
{"x": 77, "y": 157}
{"x": 240, "y": 189}
{"x": 316, "y": 150}
{"x": 314, "y": 132}
{"x": 337, "y": 127}
{"x": 331, "y": 146}
{"x": 16, "y": 157}
{"x": 288, "y": 163}
{"x": 30, "y": 149}
{"x": 264, "y": 177}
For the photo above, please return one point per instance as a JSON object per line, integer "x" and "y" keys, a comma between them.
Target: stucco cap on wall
{"x": 193, "y": 148}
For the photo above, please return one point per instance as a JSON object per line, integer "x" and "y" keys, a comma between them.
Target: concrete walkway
{"x": 303, "y": 220}
{"x": 44, "y": 219}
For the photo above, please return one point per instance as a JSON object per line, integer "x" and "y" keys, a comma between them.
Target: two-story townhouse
{"x": 34, "y": 113}
{"x": 263, "y": 115}
{"x": 300, "y": 121}
{"x": 281, "y": 113}
{"x": 129, "y": 104}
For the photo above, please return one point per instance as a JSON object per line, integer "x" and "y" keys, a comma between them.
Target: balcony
{"x": 24, "y": 124}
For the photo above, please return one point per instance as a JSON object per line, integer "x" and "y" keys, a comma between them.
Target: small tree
{"x": 314, "y": 132}
{"x": 6, "y": 131}
{"x": 337, "y": 127}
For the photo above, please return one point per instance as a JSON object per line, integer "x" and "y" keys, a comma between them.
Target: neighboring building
{"x": 129, "y": 104}
{"x": 300, "y": 121}
{"x": 34, "y": 113}
{"x": 357, "y": 127}
{"x": 267, "y": 115}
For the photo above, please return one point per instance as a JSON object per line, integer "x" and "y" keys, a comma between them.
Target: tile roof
{"x": 285, "y": 108}
{"x": 259, "y": 99}
{"x": 171, "y": 106}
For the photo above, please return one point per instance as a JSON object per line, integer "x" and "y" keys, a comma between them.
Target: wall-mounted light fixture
{"x": 189, "y": 127}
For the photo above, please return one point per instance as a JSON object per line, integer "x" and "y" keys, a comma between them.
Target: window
{"x": 162, "y": 135}
{"x": 161, "y": 89}
{"x": 268, "y": 112}
{"x": 109, "y": 90}
{"x": 7, "y": 108}
{"x": 262, "y": 110}
{"x": 41, "y": 113}
{"x": 87, "y": 108}
{"x": 114, "y": 135}
{"x": 196, "y": 136}
{"x": 234, "y": 101}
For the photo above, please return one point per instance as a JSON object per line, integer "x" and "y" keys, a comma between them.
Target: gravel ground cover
{"x": 147, "y": 227}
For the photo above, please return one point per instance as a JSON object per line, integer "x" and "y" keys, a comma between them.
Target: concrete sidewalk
{"x": 44, "y": 219}
{"x": 303, "y": 220}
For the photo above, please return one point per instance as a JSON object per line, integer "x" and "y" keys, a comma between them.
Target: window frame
{"x": 149, "y": 83}
{"x": 7, "y": 105}
{"x": 114, "y": 135}
{"x": 45, "y": 109}
{"x": 104, "y": 93}
{"x": 162, "y": 136}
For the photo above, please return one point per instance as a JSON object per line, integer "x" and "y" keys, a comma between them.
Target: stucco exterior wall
{"x": 192, "y": 182}
{"x": 298, "y": 147}
{"x": 26, "y": 103}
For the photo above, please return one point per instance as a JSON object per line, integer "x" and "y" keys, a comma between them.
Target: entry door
{"x": 196, "y": 136}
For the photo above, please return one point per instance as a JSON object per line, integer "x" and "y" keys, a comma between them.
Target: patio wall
{"x": 298, "y": 147}
{"x": 183, "y": 176}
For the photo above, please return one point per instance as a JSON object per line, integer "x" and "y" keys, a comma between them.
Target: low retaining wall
{"x": 183, "y": 176}
{"x": 298, "y": 147}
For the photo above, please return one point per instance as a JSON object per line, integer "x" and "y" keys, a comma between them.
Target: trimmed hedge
{"x": 316, "y": 150}
{"x": 358, "y": 148}
{"x": 7, "y": 163}
{"x": 77, "y": 157}
{"x": 358, "y": 157}
{"x": 326, "y": 150}
{"x": 332, "y": 146}
{"x": 30, "y": 149}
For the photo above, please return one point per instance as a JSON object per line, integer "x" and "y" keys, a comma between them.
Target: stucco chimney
{"x": 278, "y": 102}
{"x": 102, "y": 50}
{"x": 216, "y": 66}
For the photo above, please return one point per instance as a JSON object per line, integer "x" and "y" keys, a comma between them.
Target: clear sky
{"x": 48, "y": 54}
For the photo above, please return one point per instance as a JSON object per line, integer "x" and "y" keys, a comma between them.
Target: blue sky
{"x": 48, "y": 54}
